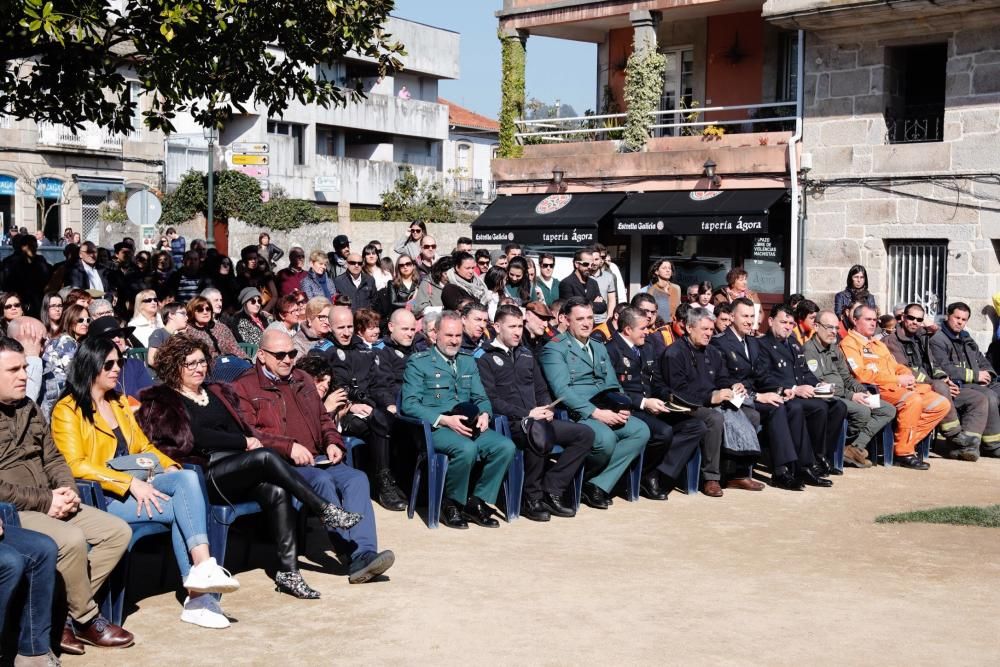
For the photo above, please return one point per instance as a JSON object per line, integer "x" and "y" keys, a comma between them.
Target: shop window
{"x": 915, "y": 88}
{"x": 917, "y": 273}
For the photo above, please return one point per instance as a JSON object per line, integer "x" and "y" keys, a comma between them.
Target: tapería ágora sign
{"x": 753, "y": 223}
{"x": 537, "y": 235}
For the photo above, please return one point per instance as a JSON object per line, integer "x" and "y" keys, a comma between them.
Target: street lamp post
{"x": 211, "y": 134}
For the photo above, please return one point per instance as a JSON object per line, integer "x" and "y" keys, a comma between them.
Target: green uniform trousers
{"x": 493, "y": 449}
{"x": 614, "y": 450}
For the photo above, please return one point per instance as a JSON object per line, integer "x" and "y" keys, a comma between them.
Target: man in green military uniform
{"x": 577, "y": 370}
{"x": 434, "y": 382}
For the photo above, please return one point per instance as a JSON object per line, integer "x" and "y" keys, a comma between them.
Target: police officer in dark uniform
{"x": 673, "y": 436}
{"x": 747, "y": 364}
{"x": 516, "y": 388}
{"x": 694, "y": 372}
{"x": 788, "y": 375}
{"x": 354, "y": 369}
{"x": 391, "y": 354}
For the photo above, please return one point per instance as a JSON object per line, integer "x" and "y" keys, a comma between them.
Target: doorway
{"x": 678, "y": 89}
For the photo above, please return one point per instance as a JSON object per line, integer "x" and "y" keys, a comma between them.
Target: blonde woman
{"x": 145, "y": 316}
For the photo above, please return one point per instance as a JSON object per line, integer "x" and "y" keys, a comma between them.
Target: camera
{"x": 355, "y": 394}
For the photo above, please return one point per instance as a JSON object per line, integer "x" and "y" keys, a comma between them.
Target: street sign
{"x": 240, "y": 158}
{"x": 326, "y": 184}
{"x": 143, "y": 208}
{"x": 253, "y": 171}
{"x": 255, "y": 149}
{"x": 265, "y": 196}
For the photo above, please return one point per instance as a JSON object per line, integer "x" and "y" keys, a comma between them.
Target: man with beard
{"x": 580, "y": 284}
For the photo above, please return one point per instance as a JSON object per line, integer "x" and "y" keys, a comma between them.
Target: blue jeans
{"x": 29, "y": 557}
{"x": 348, "y": 487}
{"x": 185, "y": 513}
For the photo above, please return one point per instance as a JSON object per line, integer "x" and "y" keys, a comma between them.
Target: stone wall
{"x": 845, "y": 89}
{"x": 313, "y": 237}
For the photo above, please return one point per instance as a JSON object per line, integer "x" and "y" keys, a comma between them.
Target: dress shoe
{"x": 534, "y": 509}
{"x": 712, "y": 489}
{"x": 745, "y": 483}
{"x": 828, "y": 467}
{"x": 69, "y": 643}
{"x": 555, "y": 506}
{"x": 367, "y": 566}
{"x": 812, "y": 477}
{"x": 479, "y": 513}
{"x": 293, "y": 584}
{"x": 99, "y": 631}
{"x": 387, "y": 491}
{"x": 649, "y": 487}
{"x": 594, "y": 496}
{"x": 911, "y": 462}
{"x": 451, "y": 516}
{"x": 786, "y": 482}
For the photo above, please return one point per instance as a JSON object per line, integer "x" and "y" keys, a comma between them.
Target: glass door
{"x": 678, "y": 90}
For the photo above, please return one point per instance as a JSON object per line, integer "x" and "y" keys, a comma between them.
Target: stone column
{"x": 644, "y": 23}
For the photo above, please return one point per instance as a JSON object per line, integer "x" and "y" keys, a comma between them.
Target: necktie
{"x": 453, "y": 366}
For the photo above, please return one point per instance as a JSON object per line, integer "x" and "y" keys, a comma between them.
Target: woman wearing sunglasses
{"x": 399, "y": 291}
{"x": 203, "y": 326}
{"x": 145, "y": 316}
{"x": 59, "y": 353}
{"x": 200, "y": 422}
{"x": 93, "y": 427}
{"x": 12, "y": 309}
{"x": 251, "y": 321}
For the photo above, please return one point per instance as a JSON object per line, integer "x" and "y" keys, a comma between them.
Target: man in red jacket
{"x": 283, "y": 404}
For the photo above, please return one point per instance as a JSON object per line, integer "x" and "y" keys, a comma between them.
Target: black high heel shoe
{"x": 337, "y": 517}
{"x": 293, "y": 584}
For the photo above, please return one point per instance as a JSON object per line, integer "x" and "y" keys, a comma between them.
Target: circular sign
{"x": 143, "y": 208}
{"x": 703, "y": 195}
{"x": 552, "y": 203}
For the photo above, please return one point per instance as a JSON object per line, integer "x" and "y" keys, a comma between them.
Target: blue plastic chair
{"x": 437, "y": 468}
{"x": 838, "y": 453}
{"x": 113, "y": 605}
{"x": 693, "y": 481}
{"x": 221, "y": 517}
{"x": 513, "y": 484}
{"x": 635, "y": 477}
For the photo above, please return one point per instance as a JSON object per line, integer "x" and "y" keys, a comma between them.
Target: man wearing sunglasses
{"x": 282, "y": 403}
{"x": 545, "y": 281}
{"x": 86, "y": 273}
{"x": 354, "y": 369}
{"x": 358, "y": 286}
{"x": 580, "y": 284}
{"x": 427, "y": 256}
{"x": 968, "y": 420}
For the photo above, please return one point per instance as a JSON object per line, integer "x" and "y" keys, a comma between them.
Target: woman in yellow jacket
{"x": 93, "y": 424}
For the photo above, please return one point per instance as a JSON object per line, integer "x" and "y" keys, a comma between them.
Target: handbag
{"x": 140, "y": 466}
{"x": 740, "y": 435}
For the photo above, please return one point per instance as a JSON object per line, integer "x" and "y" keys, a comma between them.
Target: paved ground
{"x": 773, "y": 578}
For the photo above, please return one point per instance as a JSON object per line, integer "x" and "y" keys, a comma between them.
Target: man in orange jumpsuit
{"x": 918, "y": 407}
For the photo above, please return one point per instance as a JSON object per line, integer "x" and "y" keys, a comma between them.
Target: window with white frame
{"x": 918, "y": 271}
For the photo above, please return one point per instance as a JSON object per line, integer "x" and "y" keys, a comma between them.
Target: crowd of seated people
{"x": 157, "y": 384}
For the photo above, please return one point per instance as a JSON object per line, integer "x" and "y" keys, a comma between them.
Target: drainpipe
{"x": 797, "y": 241}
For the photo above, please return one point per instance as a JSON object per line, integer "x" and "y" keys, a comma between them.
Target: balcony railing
{"x": 91, "y": 138}
{"x": 765, "y": 117}
{"x": 471, "y": 189}
{"x": 915, "y": 125}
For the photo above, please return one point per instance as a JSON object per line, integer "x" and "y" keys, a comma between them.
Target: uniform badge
{"x": 812, "y": 364}
{"x": 399, "y": 353}
{"x": 498, "y": 361}
{"x": 376, "y": 361}
{"x": 437, "y": 375}
{"x": 626, "y": 362}
{"x": 341, "y": 355}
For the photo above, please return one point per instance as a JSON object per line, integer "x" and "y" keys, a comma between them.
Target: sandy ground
{"x": 773, "y": 578}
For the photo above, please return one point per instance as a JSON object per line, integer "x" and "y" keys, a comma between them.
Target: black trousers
{"x": 374, "y": 430}
{"x": 673, "y": 438}
{"x": 823, "y": 420}
{"x": 577, "y": 441}
{"x": 262, "y": 475}
{"x": 784, "y": 430}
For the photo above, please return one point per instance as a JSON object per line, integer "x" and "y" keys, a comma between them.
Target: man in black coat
{"x": 391, "y": 354}
{"x": 693, "y": 372}
{"x": 355, "y": 284}
{"x": 25, "y": 273}
{"x": 87, "y": 274}
{"x": 789, "y": 376}
{"x": 783, "y": 422}
{"x": 354, "y": 369}
{"x": 674, "y": 436}
{"x": 516, "y": 389}
{"x": 579, "y": 283}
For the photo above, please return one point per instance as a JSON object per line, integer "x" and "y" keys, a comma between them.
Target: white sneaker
{"x": 205, "y": 611}
{"x": 208, "y": 577}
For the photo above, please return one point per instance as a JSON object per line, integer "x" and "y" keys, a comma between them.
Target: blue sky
{"x": 556, "y": 69}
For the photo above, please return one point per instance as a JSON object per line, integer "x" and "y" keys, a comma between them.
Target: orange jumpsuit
{"x": 918, "y": 409}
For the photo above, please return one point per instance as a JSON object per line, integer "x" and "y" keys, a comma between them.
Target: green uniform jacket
{"x": 830, "y": 365}
{"x": 430, "y": 388}
{"x": 571, "y": 375}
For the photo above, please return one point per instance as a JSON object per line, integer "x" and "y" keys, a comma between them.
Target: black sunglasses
{"x": 354, "y": 263}
{"x": 402, "y": 264}
{"x": 280, "y": 356}
{"x": 547, "y": 265}
{"x": 151, "y": 299}
{"x": 912, "y": 318}
{"x": 111, "y": 363}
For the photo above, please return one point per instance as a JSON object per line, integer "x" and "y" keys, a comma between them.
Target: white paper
{"x": 873, "y": 400}
{"x": 737, "y": 400}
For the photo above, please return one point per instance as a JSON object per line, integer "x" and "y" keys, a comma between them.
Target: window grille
{"x": 917, "y": 274}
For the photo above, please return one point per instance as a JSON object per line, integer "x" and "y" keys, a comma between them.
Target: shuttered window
{"x": 917, "y": 274}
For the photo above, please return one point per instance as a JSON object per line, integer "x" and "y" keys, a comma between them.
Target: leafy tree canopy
{"x": 68, "y": 59}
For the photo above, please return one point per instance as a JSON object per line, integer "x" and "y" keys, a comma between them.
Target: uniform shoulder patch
{"x": 399, "y": 353}
{"x": 812, "y": 365}
{"x": 341, "y": 355}
{"x": 323, "y": 345}
{"x": 478, "y": 353}
{"x": 497, "y": 360}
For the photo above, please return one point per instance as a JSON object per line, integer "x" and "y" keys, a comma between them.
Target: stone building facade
{"x": 905, "y": 195}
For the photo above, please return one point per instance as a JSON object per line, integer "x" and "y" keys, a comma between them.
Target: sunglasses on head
{"x": 280, "y": 356}
{"x": 111, "y": 363}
